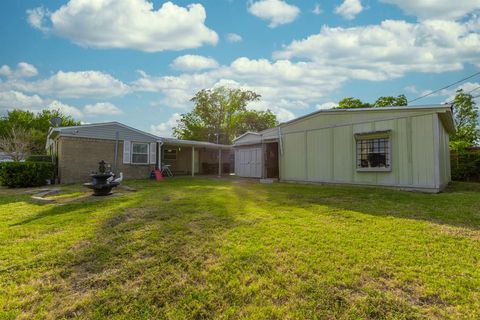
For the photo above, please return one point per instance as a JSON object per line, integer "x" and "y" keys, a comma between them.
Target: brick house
{"x": 78, "y": 149}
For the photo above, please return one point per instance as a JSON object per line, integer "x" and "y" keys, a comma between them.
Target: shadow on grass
{"x": 458, "y": 206}
{"x": 58, "y": 210}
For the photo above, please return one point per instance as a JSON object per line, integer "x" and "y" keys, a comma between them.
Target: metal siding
{"x": 343, "y": 154}
{"x": 294, "y": 156}
{"x": 423, "y": 151}
{"x": 319, "y": 157}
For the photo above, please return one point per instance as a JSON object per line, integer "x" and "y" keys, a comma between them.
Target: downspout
{"x": 158, "y": 163}
{"x": 280, "y": 141}
{"x": 116, "y": 153}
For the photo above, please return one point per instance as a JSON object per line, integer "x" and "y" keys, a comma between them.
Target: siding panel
{"x": 294, "y": 156}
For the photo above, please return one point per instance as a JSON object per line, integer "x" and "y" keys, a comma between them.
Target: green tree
{"x": 465, "y": 113}
{"x": 386, "y": 101}
{"x": 352, "y": 103}
{"x": 36, "y": 125}
{"x": 222, "y": 111}
{"x": 390, "y": 101}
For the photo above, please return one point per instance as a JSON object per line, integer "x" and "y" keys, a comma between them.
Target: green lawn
{"x": 200, "y": 248}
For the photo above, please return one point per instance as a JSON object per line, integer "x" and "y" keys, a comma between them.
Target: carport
{"x": 187, "y": 157}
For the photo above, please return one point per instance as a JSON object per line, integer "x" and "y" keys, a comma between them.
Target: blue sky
{"x": 139, "y": 61}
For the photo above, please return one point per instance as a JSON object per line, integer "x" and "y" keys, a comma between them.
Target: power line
{"x": 468, "y": 92}
{"x": 448, "y": 86}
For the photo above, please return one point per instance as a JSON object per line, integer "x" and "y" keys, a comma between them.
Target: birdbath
{"x": 99, "y": 184}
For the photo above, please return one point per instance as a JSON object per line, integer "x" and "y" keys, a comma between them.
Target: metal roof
{"x": 107, "y": 130}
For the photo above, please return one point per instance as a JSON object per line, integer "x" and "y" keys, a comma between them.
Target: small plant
{"x": 39, "y": 158}
{"x": 25, "y": 174}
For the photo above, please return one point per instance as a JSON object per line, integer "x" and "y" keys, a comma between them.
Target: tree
{"x": 465, "y": 113}
{"x": 221, "y": 113}
{"x": 386, "y": 101}
{"x": 37, "y": 125}
{"x": 352, "y": 103}
{"x": 16, "y": 142}
{"x": 390, "y": 101}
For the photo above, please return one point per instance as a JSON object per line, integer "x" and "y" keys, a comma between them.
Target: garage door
{"x": 248, "y": 162}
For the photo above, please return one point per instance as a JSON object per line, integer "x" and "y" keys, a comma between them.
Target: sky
{"x": 140, "y": 62}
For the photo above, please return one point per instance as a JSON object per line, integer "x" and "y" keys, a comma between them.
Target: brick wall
{"x": 78, "y": 157}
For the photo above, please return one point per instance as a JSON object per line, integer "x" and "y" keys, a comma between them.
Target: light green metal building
{"x": 402, "y": 147}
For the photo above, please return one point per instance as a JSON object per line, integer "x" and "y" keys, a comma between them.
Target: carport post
{"x": 219, "y": 162}
{"x": 193, "y": 161}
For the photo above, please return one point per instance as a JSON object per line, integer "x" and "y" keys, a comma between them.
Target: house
{"x": 78, "y": 150}
{"x": 402, "y": 147}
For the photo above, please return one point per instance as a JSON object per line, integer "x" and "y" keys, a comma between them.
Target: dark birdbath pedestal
{"x": 99, "y": 184}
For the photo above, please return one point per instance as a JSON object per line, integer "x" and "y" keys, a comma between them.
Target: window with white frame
{"x": 139, "y": 153}
{"x": 170, "y": 154}
{"x": 373, "y": 152}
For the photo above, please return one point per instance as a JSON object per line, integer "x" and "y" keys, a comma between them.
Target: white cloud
{"x": 233, "y": 37}
{"x": 391, "y": 49}
{"x": 102, "y": 108}
{"x": 72, "y": 85}
{"x": 164, "y": 129}
{"x": 411, "y": 89}
{"x": 438, "y": 9}
{"x": 37, "y": 18}
{"x": 132, "y": 24}
{"x": 193, "y": 62}
{"x": 65, "y": 109}
{"x": 17, "y": 100}
{"x": 317, "y": 9}
{"x": 276, "y": 11}
{"x": 23, "y": 70}
{"x": 5, "y": 71}
{"x": 10, "y": 100}
{"x": 349, "y": 9}
{"x": 326, "y": 105}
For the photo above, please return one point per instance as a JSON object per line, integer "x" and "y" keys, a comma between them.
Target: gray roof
{"x": 439, "y": 107}
{"x": 109, "y": 130}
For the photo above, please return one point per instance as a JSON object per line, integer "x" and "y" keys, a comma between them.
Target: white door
{"x": 248, "y": 162}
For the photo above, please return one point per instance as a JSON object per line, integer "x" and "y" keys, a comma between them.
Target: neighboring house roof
{"x": 109, "y": 130}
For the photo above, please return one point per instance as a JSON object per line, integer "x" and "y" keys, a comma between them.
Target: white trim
{"x": 247, "y": 133}
{"x": 147, "y": 153}
{"x": 153, "y": 152}
{"x": 127, "y": 148}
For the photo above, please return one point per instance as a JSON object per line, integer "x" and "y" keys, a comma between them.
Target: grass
{"x": 230, "y": 249}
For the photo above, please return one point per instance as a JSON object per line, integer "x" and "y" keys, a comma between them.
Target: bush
{"x": 465, "y": 165}
{"x": 25, "y": 174}
{"x": 39, "y": 158}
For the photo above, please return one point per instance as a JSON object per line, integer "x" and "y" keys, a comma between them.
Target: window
{"x": 373, "y": 151}
{"x": 170, "y": 154}
{"x": 140, "y": 153}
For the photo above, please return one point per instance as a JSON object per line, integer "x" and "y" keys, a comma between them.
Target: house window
{"x": 139, "y": 153}
{"x": 373, "y": 151}
{"x": 170, "y": 154}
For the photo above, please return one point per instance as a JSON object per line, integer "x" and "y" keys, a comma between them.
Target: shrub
{"x": 466, "y": 165}
{"x": 25, "y": 174}
{"x": 39, "y": 158}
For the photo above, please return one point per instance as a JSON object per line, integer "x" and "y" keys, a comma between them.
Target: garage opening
{"x": 271, "y": 160}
